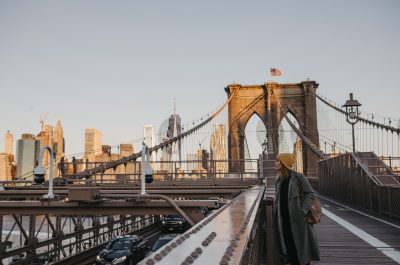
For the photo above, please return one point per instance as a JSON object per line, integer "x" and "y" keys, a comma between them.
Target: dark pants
{"x": 289, "y": 242}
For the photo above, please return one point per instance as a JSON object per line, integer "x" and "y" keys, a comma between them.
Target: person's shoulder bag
{"x": 315, "y": 213}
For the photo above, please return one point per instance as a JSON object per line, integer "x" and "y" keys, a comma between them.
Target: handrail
{"x": 365, "y": 169}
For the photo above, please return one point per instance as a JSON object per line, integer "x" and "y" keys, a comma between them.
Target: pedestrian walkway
{"x": 350, "y": 237}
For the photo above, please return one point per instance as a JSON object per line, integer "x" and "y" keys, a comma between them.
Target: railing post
{"x": 58, "y": 233}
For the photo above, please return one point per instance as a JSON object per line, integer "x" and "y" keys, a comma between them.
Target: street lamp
{"x": 264, "y": 146}
{"x": 40, "y": 172}
{"x": 352, "y": 115}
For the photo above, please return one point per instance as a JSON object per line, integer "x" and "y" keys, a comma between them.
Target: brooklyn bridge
{"x": 226, "y": 203}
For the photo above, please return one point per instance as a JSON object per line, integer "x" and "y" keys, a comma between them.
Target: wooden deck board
{"x": 340, "y": 246}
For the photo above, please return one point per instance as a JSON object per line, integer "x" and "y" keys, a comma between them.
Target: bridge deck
{"x": 349, "y": 237}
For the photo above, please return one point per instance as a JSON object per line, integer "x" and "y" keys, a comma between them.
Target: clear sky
{"x": 117, "y": 65}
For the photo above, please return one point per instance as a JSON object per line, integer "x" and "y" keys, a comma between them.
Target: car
{"x": 173, "y": 223}
{"x": 129, "y": 249}
{"x": 161, "y": 241}
{"x": 59, "y": 181}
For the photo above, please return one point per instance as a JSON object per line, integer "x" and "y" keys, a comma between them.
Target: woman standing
{"x": 295, "y": 241}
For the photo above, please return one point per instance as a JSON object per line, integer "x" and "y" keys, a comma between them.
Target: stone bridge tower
{"x": 298, "y": 99}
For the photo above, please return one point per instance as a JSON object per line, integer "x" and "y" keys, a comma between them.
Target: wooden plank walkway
{"x": 377, "y": 242}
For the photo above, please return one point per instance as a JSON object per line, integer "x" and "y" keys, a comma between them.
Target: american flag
{"x": 275, "y": 72}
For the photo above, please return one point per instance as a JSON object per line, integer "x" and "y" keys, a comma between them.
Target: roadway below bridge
{"x": 88, "y": 257}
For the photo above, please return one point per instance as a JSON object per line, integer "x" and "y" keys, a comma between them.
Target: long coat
{"x": 304, "y": 235}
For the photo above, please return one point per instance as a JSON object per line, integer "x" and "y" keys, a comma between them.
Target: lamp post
{"x": 352, "y": 114}
{"x": 40, "y": 172}
{"x": 264, "y": 146}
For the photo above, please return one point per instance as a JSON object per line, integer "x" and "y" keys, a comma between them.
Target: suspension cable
{"x": 124, "y": 160}
{"x": 307, "y": 141}
{"x": 382, "y": 126}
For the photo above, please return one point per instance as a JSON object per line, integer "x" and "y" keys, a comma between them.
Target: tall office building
{"x": 8, "y": 143}
{"x": 191, "y": 162}
{"x": 7, "y": 158}
{"x": 127, "y": 150}
{"x": 298, "y": 152}
{"x": 93, "y": 144}
{"x": 218, "y": 149}
{"x": 45, "y": 137}
{"x": 203, "y": 157}
{"x": 149, "y": 139}
{"x": 175, "y": 129}
{"x": 171, "y": 155}
{"x": 27, "y": 155}
{"x": 166, "y": 164}
{"x": 6, "y": 166}
{"x": 58, "y": 146}
{"x": 58, "y": 141}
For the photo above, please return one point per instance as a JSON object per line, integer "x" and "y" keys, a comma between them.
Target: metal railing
{"x": 347, "y": 179}
{"x": 163, "y": 170}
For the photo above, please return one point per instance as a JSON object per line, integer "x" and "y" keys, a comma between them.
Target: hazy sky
{"x": 117, "y": 65}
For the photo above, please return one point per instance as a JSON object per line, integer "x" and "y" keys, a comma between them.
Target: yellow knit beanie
{"x": 287, "y": 160}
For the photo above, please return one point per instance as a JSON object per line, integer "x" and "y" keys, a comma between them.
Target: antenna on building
{"x": 43, "y": 119}
{"x": 174, "y": 106}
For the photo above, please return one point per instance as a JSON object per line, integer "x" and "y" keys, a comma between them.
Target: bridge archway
{"x": 255, "y": 131}
{"x": 289, "y": 141}
{"x": 287, "y": 136}
{"x": 271, "y": 101}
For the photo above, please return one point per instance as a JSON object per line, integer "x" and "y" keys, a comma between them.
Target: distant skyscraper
{"x": 218, "y": 149}
{"x": 7, "y": 158}
{"x": 6, "y": 166}
{"x": 58, "y": 141}
{"x": 58, "y": 145}
{"x": 166, "y": 157}
{"x": 149, "y": 139}
{"x": 27, "y": 154}
{"x": 8, "y": 143}
{"x": 148, "y": 135}
{"x": 127, "y": 150}
{"x": 46, "y": 138}
{"x": 93, "y": 143}
{"x": 172, "y": 152}
{"x": 203, "y": 157}
{"x": 174, "y": 129}
{"x": 298, "y": 152}
{"x": 191, "y": 162}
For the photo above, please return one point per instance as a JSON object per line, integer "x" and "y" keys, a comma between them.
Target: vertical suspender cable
{"x": 383, "y": 151}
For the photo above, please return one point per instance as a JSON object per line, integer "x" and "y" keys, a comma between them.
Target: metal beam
{"x": 138, "y": 207}
{"x": 173, "y": 193}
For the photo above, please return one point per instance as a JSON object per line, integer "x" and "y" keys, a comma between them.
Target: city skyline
{"x": 119, "y": 67}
